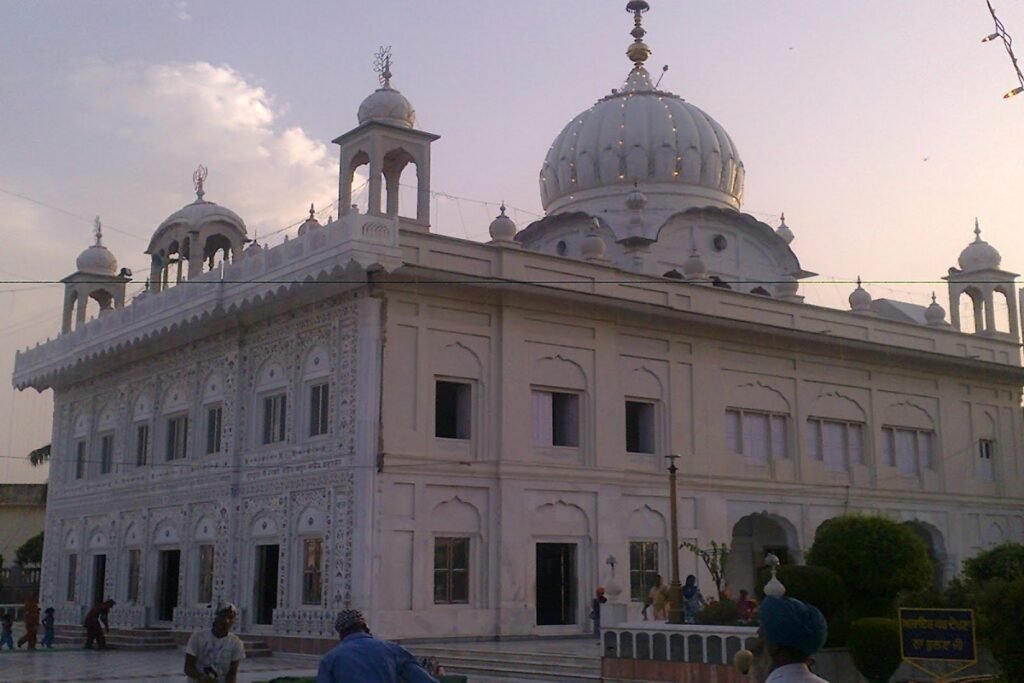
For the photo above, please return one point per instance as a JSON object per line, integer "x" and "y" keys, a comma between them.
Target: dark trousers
{"x": 47, "y": 636}
{"x": 94, "y": 632}
{"x": 29, "y": 637}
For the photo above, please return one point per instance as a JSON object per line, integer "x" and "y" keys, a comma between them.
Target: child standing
{"x": 47, "y": 628}
{"x": 595, "y": 609}
{"x": 7, "y": 630}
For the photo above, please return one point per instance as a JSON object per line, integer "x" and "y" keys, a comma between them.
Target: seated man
{"x": 361, "y": 658}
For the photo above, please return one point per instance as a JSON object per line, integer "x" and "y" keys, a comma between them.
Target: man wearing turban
{"x": 791, "y": 632}
{"x": 361, "y": 658}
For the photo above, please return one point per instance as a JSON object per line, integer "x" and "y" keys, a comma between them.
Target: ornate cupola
{"x": 981, "y": 278}
{"x": 194, "y": 239}
{"x": 386, "y": 141}
{"x": 96, "y": 277}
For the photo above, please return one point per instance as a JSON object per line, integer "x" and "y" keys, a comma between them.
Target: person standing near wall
{"x": 31, "y": 617}
{"x": 97, "y": 623}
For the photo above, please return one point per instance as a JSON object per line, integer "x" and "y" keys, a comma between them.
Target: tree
{"x": 39, "y": 455}
{"x": 714, "y": 559}
{"x": 994, "y": 585}
{"x": 30, "y": 552}
{"x": 877, "y": 559}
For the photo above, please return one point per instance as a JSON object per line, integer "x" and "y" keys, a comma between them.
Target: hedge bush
{"x": 876, "y": 558}
{"x": 874, "y": 644}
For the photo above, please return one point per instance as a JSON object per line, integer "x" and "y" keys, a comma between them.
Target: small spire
{"x": 977, "y": 230}
{"x": 502, "y": 207}
{"x": 98, "y": 231}
{"x": 382, "y": 65}
{"x": 312, "y": 213}
{"x": 933, "y": 298}
{"x": 198, "y": 179}
{"x": 858, "y": 282}
{"x": 638, "y": 52}
{"x": 782, "y": 218}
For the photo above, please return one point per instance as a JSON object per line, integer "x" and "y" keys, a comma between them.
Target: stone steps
{"x": 255, "y": 646}
{"x": 513, "y": 665}
{"x": 122, "y": 639}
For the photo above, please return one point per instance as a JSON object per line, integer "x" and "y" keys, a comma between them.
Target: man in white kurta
{"x": 213, "y": 654}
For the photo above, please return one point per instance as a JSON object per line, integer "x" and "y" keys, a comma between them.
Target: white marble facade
{"x": 498, "y": 413}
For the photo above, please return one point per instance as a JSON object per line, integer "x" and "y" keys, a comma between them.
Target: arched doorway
{"x": 753, "y": 537}
{"x": 936, "y": 546}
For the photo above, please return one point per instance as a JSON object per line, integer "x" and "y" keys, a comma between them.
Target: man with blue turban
{"x": 791, "y": 632}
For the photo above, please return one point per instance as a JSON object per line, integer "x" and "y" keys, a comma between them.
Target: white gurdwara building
{"x": 465, "y": 438}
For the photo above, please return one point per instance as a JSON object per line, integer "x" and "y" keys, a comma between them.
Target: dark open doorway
{"x": 556, "y": 584}
{"x": 167, "y": 587}
{"x": 99, "y": 577}
{"x": 265, "y": 588}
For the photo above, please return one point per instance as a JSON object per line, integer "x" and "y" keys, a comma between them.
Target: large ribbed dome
{"x": 641, "y": 134}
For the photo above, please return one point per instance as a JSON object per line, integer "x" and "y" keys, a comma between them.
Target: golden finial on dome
{"x": 638, "y": 52}
{"x": 198, "y": 179}
{"x": 382, "y": 65}
{"x": 97, "y": 230}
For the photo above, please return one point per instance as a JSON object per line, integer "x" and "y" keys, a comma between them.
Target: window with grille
{"x": 205, "y": 583}
{"x": 453, "y": 409}
{"x": 141, "y": 445}
{"x": 80, "y": 459}
{"x": 72, "y": 576}
{"x": 986, "y": 455}
{"x": 312, "y": 571}
{"x": 908, "y": 450}
{"x": 837, "y": 443}
{"x": 639, "y": 427}
{"x": 106, "y": 453}
{"x": 319, "y": 407}
{"x": 177, "y": 438}
{"x": 274, "y": 408}
{"x": 759, "y": 436}
{"x": 214, "y": 425}
{"x": 451, "y": 570}
{"x": 134, "y": 574}
{"x": 643, "y": 568}
{"x": 556, "y": 418}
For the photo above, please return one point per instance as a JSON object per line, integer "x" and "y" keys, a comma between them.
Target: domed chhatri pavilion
{"x": 464, "y": 438}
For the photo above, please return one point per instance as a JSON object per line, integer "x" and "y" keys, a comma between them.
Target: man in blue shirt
{"x": 361, "y": 658}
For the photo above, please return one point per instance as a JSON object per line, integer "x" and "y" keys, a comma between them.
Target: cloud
{"x": 181, "y": 11}
{"x": 164, "y": 119}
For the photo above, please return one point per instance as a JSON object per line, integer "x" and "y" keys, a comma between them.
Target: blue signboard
{"x": 937, "y": 634}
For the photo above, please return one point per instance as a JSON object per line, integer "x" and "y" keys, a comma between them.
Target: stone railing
{"x": 690, "y": 643}
{"x": 128, "y": 616}
{"x": 312, "y": 621}
{"x": 192, "y": 618}
{"x": 336, "y": 253}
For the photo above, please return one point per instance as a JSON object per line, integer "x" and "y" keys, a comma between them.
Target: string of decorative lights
{"x": 1001, "y": 34}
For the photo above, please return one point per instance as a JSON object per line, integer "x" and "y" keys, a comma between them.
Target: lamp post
{"x": 675, "y": 606}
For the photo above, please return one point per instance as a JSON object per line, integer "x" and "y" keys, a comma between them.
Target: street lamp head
{"x": 672, "y": 462}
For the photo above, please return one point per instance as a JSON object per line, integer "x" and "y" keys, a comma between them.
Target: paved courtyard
{"x": 67, "y": 663}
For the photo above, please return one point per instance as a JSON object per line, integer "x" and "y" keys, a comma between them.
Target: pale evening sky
{"x": 877, "y": 126}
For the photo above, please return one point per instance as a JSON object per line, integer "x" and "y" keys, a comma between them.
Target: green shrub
{"x": 722, "y": 611}
{"x": 994, "y": 586}
{"x": 874, "y": 644}
{"x": 30, "y": 553}
{"x": 876, "y": 558}
{"x": 1005, "y": 561}
{"x": 818, "y": 586}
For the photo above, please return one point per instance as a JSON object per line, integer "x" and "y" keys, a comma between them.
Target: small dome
{"x": 97, "y": 260}
{"x": 502, "y": 228}
{"x": 783, "y": 230}
{"x": 935, "y": 314}
{"x": 195, "y": 215}
{"x": 860, "y": 300}
{"x": 387, "y": 105}
{"x": 310, "y": 223}
{"x": 979, "y": 254}
{"x": 636, "y": 200}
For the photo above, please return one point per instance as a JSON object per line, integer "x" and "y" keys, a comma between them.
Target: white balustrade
{"x": 691, "y": 643}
